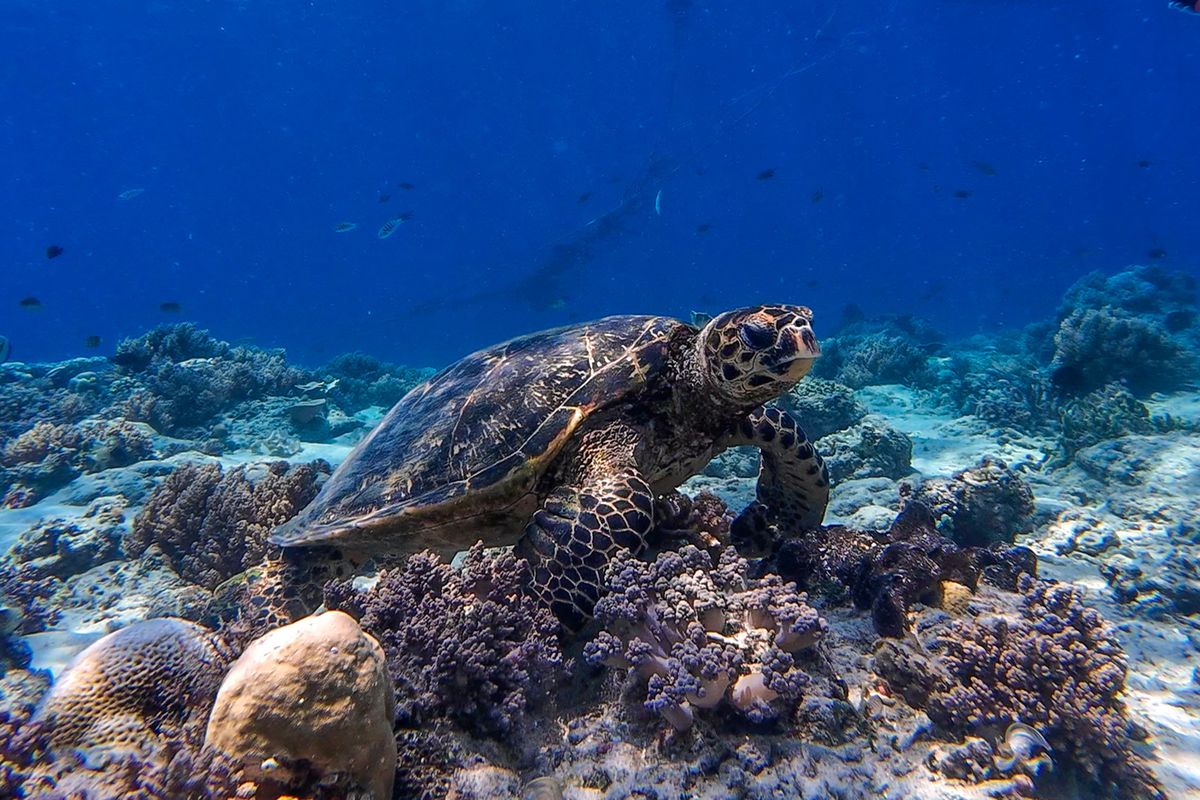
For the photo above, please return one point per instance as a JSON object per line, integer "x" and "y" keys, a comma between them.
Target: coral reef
{"x": 360, "y": 380}
{"x": 700, "y": 635}
{"x": 978, "y": 506}
{"x": 867, "y": 354}
{"x": 1106, "y": 413}
{"x": 468, "y": 644}
{"x": 822, "y": 406}
{"x": 1058, "y": 667}
{"x": 890, "y": 572}
{"x": 1094, "y": 347}
{"x": 313, "y": 697}
{"x": 870, "y": 448}
{"x": 212, "y": 524}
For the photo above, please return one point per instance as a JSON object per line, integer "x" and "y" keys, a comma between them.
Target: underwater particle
{"x": 583, "y": 198}
{"x": 5, "y": 349}
{"x": 766, "y": 174}
{"x": 1156, "y": 252}
{"x": 984, "y": 168}
{"x": 546, "y": 787}
{"x": 31, "y": 303}
{"x": 390, "y": 227}
{"x": 170, "y": 307}
{"x": 91, "y": 342}
{"x": 962, "y": 194}
{"x": 384, "y": 197}
{"x": 406, "y": 186}
{"x": 344, "y": 227}
{"x": 129, "y": 194}
{"x": 704, "y": 227}
{"x": 54, "y": 251}
{"x": 817, "y": 196}
{"x": 1143, "y": 164}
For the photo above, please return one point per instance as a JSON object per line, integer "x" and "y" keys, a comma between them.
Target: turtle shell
{"x": 458, "y": 457}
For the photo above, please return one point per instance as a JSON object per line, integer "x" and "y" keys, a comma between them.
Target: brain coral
{"x": 213, "y": 525}
{"x": 136, "y": 689}
{"x": 469, "y": 644}
{"x": 701, "y": 636}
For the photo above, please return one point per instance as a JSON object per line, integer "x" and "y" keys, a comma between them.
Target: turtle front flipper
{"x": 581, "y": 527}
{"x": 793, "y": 483}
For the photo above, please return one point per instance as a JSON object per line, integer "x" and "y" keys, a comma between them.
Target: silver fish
{"x": 390, "y": 227}
{"x": 344, "y": 227}
{"x": 129, "y": 194}
{"x": 544, "y": 788}
{"x": 1023, "y": 745}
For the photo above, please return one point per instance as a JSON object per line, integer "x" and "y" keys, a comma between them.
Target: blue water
{"x": 254, "y": 128}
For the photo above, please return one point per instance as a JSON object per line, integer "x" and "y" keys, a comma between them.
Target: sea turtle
{"x": 560, "y": 441}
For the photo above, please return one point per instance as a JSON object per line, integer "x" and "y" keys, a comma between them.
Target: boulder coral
{"x": 701, "y": 636}
{"x": 136, "y": 690}
{"x": 310, "y": 700}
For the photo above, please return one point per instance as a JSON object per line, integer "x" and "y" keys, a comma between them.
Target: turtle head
{"x": 754, "y": 354}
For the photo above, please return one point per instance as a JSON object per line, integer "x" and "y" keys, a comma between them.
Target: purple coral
{"x": 468, "y": 644}
{"x": 699, "y": 635}
{"x": 212, "y": 525}
{"x": 1060, "y": 668}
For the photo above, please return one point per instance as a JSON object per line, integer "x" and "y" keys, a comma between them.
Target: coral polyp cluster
{"x": 701, "y": 634}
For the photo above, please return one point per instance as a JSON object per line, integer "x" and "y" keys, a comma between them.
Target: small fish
{"x": 703, "y": 227}
{"x": 658, "y": 203}
{"x": 54, "y": 251}
{"x": 583, "y": 198}
{"x": 383, "y": 198}
{"x": 1185, "y": 5}
{"x": 923, "y": 165}
{"x": 406, "y": 186}
{"x": 766, "y": 174}
{"x": 170, "y": 307}
{"x": 5, "y": 349}
{"x": 92, "y": 342}
{"x": 1156, "y": 252}
{"x": 390, "y": 227}
{"x": 31, "y": 303}
{"x": 129, "y": 194}
{"x": 816, "y": 197}
{"x": 984, "y": 168}
{"x": 1144, "y": 164}
{"x": 405, "y": 216}
{"x": 344, "y": 227}
{"x": 962, "y": 194}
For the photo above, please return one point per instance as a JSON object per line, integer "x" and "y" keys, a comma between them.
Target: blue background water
{"x": 255, "y": 127}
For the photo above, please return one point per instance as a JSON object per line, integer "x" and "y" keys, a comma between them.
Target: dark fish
{"x": 703, "y": 227}
{"x": 405, "y": 216}
{"x": 5, "y": 349}
{"x": 1144, "y": 164}
{"x": 170, "y": 307}
{"x": 812, "y": 283}
{"x": 344, "y": 227}
{"x": 962, "y": 194}
{"x": 406, "y": 186}
{"x": 816, "y": 197}
{"x": 933, "y": 291}
{"x": 583, "y": 198}
{"x": 1175, "y": 321}
{"x": 984, "y": 168}
{"x": 53, "y": 251}
{"x": 1185, "y": 5}
{"x": 92, "y": 342}
{"x": 1156, "y": 252}
{"x": 1069, "y": 380}
{"x": 766, "y": 174}
{"x": 32, "y": 303}
{"x": 383, "y": 198}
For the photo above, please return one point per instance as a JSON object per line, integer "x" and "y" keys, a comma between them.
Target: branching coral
{"x": 468, "y": 644}
{"x": 212, "y": 525}
{"x": 699, "y": 636}
{"x": 875, "y": 358}
{"x": 1058, "y": 667}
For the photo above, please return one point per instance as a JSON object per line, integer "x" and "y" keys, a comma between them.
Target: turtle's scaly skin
{"x": 560, "y": 441}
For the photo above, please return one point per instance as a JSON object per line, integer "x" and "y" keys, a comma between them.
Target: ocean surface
{"x": 859, "y": 458}
{"x": 962, "y": 160}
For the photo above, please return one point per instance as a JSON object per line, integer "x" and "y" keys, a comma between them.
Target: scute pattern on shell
{"x": 500, "y": 412}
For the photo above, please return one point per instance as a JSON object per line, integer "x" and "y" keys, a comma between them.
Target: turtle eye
{"x": 756, "y": 336}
